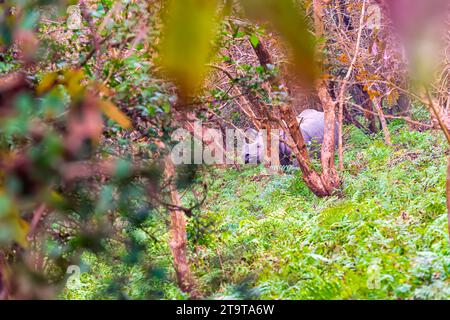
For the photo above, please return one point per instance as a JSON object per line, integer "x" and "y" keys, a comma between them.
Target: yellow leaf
{"x": 55, "y": 196}
{"x": 74, "y": 84}
{"x": 343, "y": 58}
{"x": 22, "y": 232}
{"x": 46, "y": 83}
{"x": 114, "y": 113}
{"x": 373, "y": 94}
{"x": 55, "y": 199}
{"x": 16, "y": 228}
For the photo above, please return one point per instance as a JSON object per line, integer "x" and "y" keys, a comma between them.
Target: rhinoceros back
{"x": 312, "y": 125}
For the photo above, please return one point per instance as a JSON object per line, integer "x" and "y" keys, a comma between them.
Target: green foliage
{"x": 271, "y": 238}
{"x": 73, "y": 95}
{"x": 50, "y": 120}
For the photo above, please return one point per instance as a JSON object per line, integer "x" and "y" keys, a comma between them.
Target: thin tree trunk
{"x": 344, "y": 88}
{"x": 272, "y": 150}
{"x": 387, "y": 135}
{"x": 445, "y": 129}
{"x": 448, "y": 195}
{"x": 320, "y": 185}
{"x": 312, "y": 179}
{"x": 329, "y": 173}
{"x": 178, "y": 238}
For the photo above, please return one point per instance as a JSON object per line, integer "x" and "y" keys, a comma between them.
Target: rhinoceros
{"x": 253, "y": 150}
{"x": 312, "y": 123}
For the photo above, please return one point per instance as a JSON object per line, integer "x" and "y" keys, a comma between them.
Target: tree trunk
{"x": 448, "y": 195}
{"x": 378, "y": 106}
{"x": 318, "y": 184}
{"x": 312, "y": 179}
{"x": 329, "y": 174}
{"x": 343, "y": 89}
{"x": 178, "y": 238}
{"x": 321, "y": 185}
{"x": 434, "y": 110}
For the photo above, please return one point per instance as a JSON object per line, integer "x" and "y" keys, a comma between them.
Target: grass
{"x": 384, "y": 237}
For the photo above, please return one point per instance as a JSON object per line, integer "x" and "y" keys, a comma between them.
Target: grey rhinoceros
{"x": 312, "y": 124}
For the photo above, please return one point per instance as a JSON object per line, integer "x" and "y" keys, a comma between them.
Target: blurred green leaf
{"x": 254, "y": 40}
{"x": 286, "y": 18}
{"x": 187, "y": 43}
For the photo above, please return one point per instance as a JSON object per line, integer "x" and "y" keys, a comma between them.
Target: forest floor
{"x": 384, "y": 237}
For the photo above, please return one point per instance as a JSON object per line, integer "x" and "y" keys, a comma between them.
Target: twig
{"x": 37, "y": 215}
{"x": 344, "y": 87}
{"x": 406, "y": 119}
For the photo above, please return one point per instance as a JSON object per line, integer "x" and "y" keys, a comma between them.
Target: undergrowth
{"x": 384, "y": 236}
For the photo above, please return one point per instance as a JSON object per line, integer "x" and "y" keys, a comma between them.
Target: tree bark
{"x": 434, "y": 110}
{"x": 321, "y": 185}
{"x": 343, "y": 89}
{"x": 448, "y": 195}
{"x": 329, "y": 174}
{"x": 178, "y": 238}
{"x": 313, "y": 180}
{"x": 378, "y": 106}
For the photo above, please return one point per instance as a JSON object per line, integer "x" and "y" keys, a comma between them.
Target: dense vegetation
{"x": 384, "y": 238}
{"x": 95, "y": 204}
